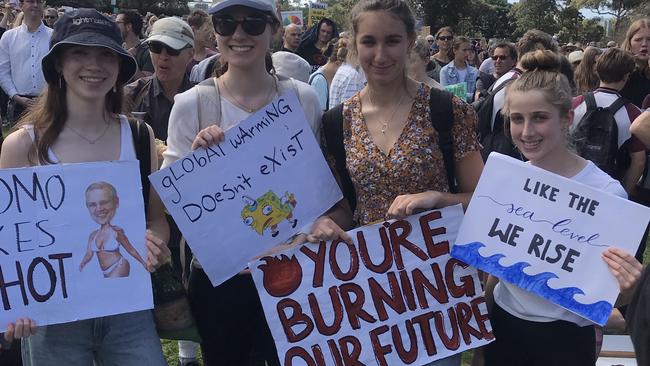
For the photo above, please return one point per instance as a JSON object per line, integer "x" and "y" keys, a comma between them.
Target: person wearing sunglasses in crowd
{"x": 504, "y": 58}
{"x": 171, "y": 46}
{"x": 444, "y": 37}
{"x": 229, "y": 317}
{"x": 77, "y": 120}
{"x": 51, "y": 16}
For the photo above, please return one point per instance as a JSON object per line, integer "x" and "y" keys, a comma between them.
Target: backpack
{"x": 493, "y": 138}
{"x": 442, "y": 118}
{"x": 595, "y": 137}
{"x": 312, "y": 77}
{"x": 140, "y": 134}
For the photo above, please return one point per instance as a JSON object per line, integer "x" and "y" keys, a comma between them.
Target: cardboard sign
{"x": 317, "y": 11}
{"x": 395, "y": 297}
{"x": 72, "y": 242}
{"x": 235, "y": 200}
{"x": 292, "y": 17}
{"x": 546, "y": 233}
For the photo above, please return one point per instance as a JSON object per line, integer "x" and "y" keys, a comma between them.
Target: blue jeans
{"x": 449, "y": 361}
{"x": 124, "y": 340}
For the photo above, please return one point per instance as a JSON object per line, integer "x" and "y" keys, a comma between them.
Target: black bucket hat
{"x": 87, "y": 27}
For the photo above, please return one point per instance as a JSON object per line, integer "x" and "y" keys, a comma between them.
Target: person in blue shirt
{"x": 458, "y": 70}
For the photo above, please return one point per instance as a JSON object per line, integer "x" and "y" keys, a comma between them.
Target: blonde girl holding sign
{"x": 530, "y": 330}
{"x": 78, "y": 120}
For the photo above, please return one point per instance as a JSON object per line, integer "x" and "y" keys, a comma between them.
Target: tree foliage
{"x": 535, "y": 14}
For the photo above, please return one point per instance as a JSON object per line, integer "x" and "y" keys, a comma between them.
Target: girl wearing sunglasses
{"x": 230, "y": 317}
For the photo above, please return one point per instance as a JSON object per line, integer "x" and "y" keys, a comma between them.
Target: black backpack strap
{"x": 140, "y": 134}
{"x": 590, "y": 101}
{"x": 333, "y": 134}
{"x": 618, "y": 104}
{"x": 442, "y": 118}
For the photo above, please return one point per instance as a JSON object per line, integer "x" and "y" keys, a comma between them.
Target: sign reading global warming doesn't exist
{"x": 395, "y": 297}
{"x": 262, "y": 184}
{"x": 72, "y": 242}
{"x": 546, "y": 234}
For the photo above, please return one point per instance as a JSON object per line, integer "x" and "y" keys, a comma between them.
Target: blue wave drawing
{"x": 469, "y": 253}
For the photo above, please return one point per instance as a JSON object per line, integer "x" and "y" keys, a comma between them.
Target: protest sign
{"x": 546, "y": 233}
{"x": 317, "y": 11}
{"x": 72, "y": 242}
{"x": 395, "y": 297}
{"x": 235, "y": 200}
{"x": 292, "y": 17}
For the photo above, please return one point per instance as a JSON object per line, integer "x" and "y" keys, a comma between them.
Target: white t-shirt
{"x": 528, "y": 306}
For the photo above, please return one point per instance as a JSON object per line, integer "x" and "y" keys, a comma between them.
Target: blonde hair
{"x": 542, "y": 74}
{"x": 627, "y": 42}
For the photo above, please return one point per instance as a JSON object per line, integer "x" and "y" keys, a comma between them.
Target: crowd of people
{"x": 74, "y": 82}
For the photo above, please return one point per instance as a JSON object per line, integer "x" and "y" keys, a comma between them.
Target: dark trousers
{"x": 231, "y": 322}
{"x": 524, "y": 343}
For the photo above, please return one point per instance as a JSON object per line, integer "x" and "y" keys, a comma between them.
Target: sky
{"x": 586, "y": 13}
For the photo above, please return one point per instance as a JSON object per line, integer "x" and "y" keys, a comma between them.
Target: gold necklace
{"x": 90, "y": 141}
{"x": 244, "y": 106}
{"x": 384, "y": 123}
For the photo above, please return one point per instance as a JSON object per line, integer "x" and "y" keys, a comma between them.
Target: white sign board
{"x": 235, "y": 200}
{"x": 72, "y": 242}
{"x": 395, "y": 297}
{"x": 546, "y": 234}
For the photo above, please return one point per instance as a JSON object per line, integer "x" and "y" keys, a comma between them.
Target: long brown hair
{"x": 50, "y": 113}
{"x": 585, "y": 75}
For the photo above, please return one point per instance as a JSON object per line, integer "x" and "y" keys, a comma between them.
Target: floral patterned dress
{"x": 413, "y": 165}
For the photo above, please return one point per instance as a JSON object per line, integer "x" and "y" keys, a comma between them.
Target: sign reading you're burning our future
{"x": 72, "y": 242}
{"x": 546, "y": 234}
{"x": 394, "y": 297}
{"x": 235, "y": 200}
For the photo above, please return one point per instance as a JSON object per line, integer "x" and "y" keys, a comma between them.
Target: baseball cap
{"x": 576, "y": 56}
{"x": 87, "y": 27}
{"x": 267, "y": 6}
{"x": 173, "y": 32}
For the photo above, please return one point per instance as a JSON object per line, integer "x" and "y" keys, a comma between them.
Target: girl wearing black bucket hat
{"x": 76, "y": 120}
{"x": 229, "y": 317}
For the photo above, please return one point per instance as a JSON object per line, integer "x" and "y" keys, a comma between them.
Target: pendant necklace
{"x": 90, "y": 141}
{"x": 384, "y": 123}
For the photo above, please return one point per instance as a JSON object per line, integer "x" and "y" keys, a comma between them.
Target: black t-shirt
{"x": 636, "y": 89}
{"x": 312, "y": 55}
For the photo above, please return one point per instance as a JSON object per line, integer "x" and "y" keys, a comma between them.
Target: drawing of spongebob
{"x": 268, "y": 211}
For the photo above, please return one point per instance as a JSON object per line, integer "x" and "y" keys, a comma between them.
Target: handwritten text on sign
{"x": 546, "y": 233}
{"x": 395, "y": 297}
{"x": 72, "y": 242}
{"x": 237, "y": 199}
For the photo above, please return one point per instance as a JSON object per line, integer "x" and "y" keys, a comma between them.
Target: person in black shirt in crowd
{"x": 315, "y": 39}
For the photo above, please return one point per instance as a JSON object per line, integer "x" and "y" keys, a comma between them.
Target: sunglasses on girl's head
{"x": 252, "y": 25}
{"x": 445, "y": 38}
{"x": 157, "y": 47}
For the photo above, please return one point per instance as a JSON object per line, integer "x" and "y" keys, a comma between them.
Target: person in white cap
{"x": 229, "y": 317}
{"x": 171, "y": 46}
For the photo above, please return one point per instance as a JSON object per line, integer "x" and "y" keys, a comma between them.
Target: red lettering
{"x": 354, "y": 261}
{"x": 381, "y": 298}
{"x": 378, "y": 349}
{"x": 434, "y": 249}
{"x": 407, "y": 356}
{"x": 365, "y": 257}
{"x": 451, "y": 342}
{"x": 319, "y": 262}
{"x": 354, "y": 308}
{"x": 350, "y": 356}
{"x": 407, "y": 290}
{"x": 399, "y": 240}
{"x": 467, "y": 289}
{"x": 465, "y": 315}
{"x": 423, "y": 320}
{"x": 337, "y": 309}
{"x": 297, "y": 318}
{"x": 481, "y": 318}
{"x": 421, "y": 282}
{"x": 298, "y": 352}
